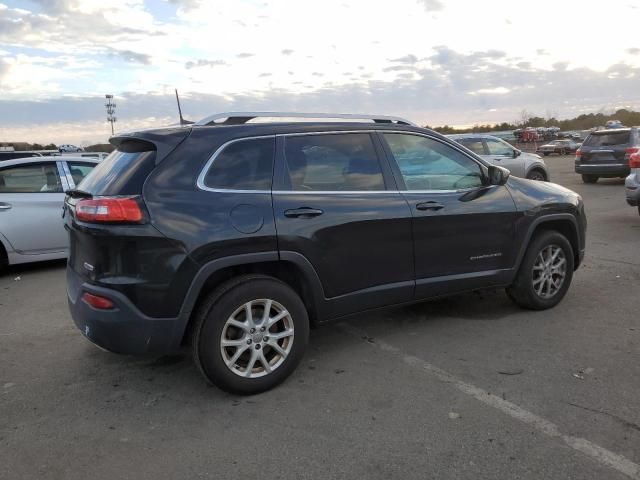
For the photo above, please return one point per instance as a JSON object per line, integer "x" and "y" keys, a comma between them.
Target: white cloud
{"x": 360, "y": 55}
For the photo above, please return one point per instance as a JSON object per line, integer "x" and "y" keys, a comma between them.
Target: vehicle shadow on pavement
{"x": 176, "y": 375}
{"x": 34, "y": 267}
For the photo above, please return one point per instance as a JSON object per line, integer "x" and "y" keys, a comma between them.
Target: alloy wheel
{"x": 257, "y": 338}
{"x": 549, "y": 271}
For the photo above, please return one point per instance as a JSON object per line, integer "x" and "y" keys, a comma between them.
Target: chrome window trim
{"x": 203, "y": 173}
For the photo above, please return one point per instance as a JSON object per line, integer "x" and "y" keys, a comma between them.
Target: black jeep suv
{"x": 234, "y": 238}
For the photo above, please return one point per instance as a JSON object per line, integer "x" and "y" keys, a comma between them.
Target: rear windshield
{"x": 607, "y": 139}
{"x": 123, "y": 172}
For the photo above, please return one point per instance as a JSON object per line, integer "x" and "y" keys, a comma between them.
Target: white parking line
{"x": 596, "y": 452}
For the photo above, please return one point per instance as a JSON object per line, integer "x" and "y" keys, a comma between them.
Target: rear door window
{"x": 609, "y": 139}
{"x": 31, "y": 178}
{"x": 333, "y": 162}
{"x": 243, "y": 165}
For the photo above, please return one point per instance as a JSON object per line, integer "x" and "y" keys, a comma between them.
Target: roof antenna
{"x": 182, "y": 120}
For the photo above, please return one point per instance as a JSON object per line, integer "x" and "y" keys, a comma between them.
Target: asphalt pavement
{"x": 469, "y": 387}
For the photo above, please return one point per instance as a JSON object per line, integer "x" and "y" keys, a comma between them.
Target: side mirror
{"x": 498, "y": 175}
{"x": 516, "y": 153}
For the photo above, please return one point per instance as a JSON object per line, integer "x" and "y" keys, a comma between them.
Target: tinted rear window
{"x": 243, "y": 165}
{"x": 123, "y": 172}
{"x": 607, "y": 139}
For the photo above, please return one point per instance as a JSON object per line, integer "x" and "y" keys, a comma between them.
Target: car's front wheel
{"x": 545, "y": 272}
{"x": 537, "y": 174}
{"x": 250, "y": 334}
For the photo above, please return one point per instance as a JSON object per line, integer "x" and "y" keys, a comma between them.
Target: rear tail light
{"x": 631, "y": 150}
{"x": 101, "y": 303}
{"x": 578, "y": 153}
{"x": 110, "y": 210}
{"x": 634, "y": 160}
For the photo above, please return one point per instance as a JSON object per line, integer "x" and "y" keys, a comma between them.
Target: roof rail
{"x": 239, "y": 118}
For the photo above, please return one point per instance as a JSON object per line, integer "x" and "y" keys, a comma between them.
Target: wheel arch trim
{"x": 213, "y": 266}
{"x": 565, "y": 217}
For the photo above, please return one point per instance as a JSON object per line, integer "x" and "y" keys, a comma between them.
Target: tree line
{"x": 581, "y": 122}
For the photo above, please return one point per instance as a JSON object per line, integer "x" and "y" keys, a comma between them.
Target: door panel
{"x": 359, "y": 241}
{"x": 332, "y": 206}
{"x": 31, "y": 200}
{"x": 462, "y": 229}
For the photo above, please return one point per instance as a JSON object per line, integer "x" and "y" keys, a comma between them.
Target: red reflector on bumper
{"x": 95, "y": 301}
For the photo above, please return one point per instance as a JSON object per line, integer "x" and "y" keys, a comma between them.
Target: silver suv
{"x": 497, "y": 151}
{"x": 632, "y": 182}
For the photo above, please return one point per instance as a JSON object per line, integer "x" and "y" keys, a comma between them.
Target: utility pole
{"x": 111, "y": 110}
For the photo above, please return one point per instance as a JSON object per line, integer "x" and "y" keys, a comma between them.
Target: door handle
{"x": 5, "y": 206}
{"x": 430, "y": 205}
{"x": 304, "y": 212}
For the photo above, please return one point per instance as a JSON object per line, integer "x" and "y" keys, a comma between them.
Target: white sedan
{"x": 32, "y": 194}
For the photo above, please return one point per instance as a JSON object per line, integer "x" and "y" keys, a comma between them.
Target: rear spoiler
{"x": 164, "y": 140}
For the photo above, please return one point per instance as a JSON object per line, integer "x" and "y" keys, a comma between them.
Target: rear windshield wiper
{"x": 75, "y": 193}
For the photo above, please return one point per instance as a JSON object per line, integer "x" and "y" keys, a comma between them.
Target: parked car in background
{"x": 503, "y": 154}
{"x": 98, "y": 155}
{"x": 12, "y": 155}
{"x": 69, "y": 148}
{"x": 32, "y": 193}
{"x": 234, "y": 238}
{"x": 561, "y": 147}
{"x": 632, "y": 182}
{"x": 605, "y": 153}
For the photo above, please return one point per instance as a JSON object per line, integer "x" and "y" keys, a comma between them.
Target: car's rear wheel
{"x": 250, "y": 334}
{"x": 589, "y": 178}
{"x": 545, "y": 272}
{"x": 546, "y": 154}
{"x": 537, "y": 174}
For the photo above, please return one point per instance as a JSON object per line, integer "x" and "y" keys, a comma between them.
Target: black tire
{"x": 546, "y": 154}
{"x": 4, "y": 258}
{"x": 589, "y": 178}
{"x": 638, "y": 209}
{"x": 537, "y": 174}
{"x": 211, "y": 318}
{"x": 522, "y": 291}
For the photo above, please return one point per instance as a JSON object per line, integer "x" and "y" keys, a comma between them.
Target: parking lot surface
{"x": 469, "y": 387}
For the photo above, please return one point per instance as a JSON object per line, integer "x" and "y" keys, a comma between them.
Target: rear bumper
{"x": 123, "y": 329}
{"x": 603, "y": 169}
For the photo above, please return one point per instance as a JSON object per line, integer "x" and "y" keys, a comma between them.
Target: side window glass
{"x": 243, "y": 165}
{"x": 499, "y": 148}
{"x": 333, "y": 162}
{"x": 79, "y": 170}
{"x": 427, "y": 164}
{"x": 473, "y": 144}
{"x": 30, "y": 178}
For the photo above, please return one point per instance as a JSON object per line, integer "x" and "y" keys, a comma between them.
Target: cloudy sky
{"x": 436, "y": 62}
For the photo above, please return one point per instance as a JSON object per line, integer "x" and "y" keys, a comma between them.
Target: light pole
{"x": 111, "y": 110}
